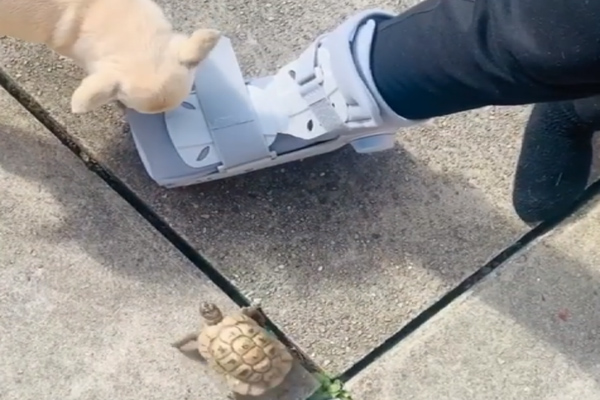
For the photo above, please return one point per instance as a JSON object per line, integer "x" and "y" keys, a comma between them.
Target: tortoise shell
{"x": 252, "y": 361}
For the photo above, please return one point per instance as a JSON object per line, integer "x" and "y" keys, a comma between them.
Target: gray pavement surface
{"x": 342, "y": 249}
{"x": 90, "y": 295}
{"x": 529, "y": 331}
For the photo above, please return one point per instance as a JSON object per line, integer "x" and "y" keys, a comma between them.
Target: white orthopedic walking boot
{"x": 323, "y": 100}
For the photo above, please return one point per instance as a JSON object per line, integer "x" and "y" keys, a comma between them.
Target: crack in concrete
{"x": 538, "y": 231}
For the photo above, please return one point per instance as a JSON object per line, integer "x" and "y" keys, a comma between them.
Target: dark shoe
{"x": 556, "y": 157}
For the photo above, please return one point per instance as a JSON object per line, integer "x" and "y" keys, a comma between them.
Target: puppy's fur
{"x": 128, "y": 48}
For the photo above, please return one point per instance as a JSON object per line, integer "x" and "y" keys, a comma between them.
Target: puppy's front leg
{"x": 94, "y": 91}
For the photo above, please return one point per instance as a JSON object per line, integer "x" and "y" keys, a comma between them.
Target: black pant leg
{"x": 446, "y": 56}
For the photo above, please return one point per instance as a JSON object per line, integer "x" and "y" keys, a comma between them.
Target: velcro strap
{"x": 309, "y": 78}
{"x": 228, "y": 109}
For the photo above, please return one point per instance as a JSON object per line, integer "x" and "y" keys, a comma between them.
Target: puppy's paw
{"x": 209, "y": 37}
{"x": 78, "y": 107}
{"x": 197, "y": 47}
{"x": 93, "y": 92}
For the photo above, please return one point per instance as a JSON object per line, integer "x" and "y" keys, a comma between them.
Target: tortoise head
{"x": 211, "y": 313}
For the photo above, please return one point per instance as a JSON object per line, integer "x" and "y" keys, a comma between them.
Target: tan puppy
{"x": 127, "y": 47}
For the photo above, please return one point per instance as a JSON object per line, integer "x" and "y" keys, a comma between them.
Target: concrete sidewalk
{"x": 343, "y": 250}
{"x": 329, "y": 243}
{"x": 529, "y": 331}
{"x": 90, "y": 295}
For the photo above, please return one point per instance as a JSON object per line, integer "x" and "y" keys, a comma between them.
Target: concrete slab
{"x": 90, "y": 295}
{"x": 342, "y": 249}
{"x": 528, "y": 332}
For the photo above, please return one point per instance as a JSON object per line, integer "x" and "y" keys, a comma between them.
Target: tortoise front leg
{"x": 189, "y": 347}
{"x": 256, "y": 313}
{"x": 193, "y": 336}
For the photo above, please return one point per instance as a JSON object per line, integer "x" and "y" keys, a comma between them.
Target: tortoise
{"x": 238, "y": 347}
